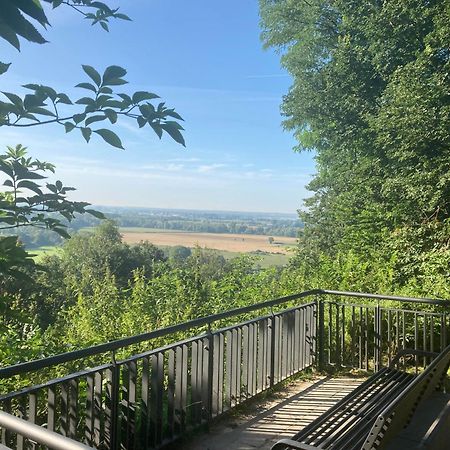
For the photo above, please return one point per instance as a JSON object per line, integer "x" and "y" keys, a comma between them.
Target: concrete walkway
{"x": 280, "y": 416}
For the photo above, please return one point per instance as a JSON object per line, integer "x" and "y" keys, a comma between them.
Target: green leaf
{"x": 172, "y": 113}
{"x": 174, "y": 133}
{"x": 15, "y": 99}
{"x": 116, "y": 82}
{"x": 8, "y": 34}
{"x": 122, "y": 16}
{"x": 88, "y": 86}
{"x": 93, "y": 74}
{"x": 61, "y": 231}
{"x": 111, "y": 114}
{"x": 4, "y": 67}
{"x": 157, "y": 129}
{"x": 104, "y": 25}
{"x": 97, "y": 214}
{"x": 31, "y": 101}
{"x": 79, "y": 118}
{"x": 85, "y": 101}
{"x": 93, "y": 119}
{"x": 110, "y": 137}
{"x": 140, "y": 96}
{"x": 27, "y": 184}
{"x": 141, "y": 121}
{"x": 112, "y": 72}
{"x": 86, "y": 132}
{"x": 33, "y": 9}
{"x": 69, "y": 126}
{"x": 63, "y": 98}
{"x": 42, "y": 111}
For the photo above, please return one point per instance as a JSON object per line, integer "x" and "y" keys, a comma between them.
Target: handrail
{"x": 61, "y": 358}
{"x": 429, "y": 301}
{"x": 39, "y": 434}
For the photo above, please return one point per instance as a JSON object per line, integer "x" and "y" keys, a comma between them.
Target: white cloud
{"x": 209, "y": 167}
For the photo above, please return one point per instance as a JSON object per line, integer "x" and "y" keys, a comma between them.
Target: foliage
{"x": 370, "y": 96}
{"x": 28, "y": 203}
{"x": 45, "y": 105}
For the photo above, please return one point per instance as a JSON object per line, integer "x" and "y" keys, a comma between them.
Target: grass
{"x": 39, "y": 253}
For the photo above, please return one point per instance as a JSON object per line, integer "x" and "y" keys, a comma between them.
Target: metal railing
{"x": 153, "y": 398}
{"x": 39, "y": 435}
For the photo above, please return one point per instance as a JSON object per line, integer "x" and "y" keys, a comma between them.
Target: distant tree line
{"x": 34, "y": 237}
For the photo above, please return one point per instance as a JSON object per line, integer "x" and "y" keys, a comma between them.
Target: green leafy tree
{"x": 370, "y": 97}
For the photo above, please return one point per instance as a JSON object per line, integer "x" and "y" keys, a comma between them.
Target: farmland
{"x": 236, "y": 243}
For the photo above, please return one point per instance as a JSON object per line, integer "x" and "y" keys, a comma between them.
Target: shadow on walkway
{"x": 294, "y": 408}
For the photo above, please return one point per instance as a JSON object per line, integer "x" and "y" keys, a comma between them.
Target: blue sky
{"x": 203, "y": 58}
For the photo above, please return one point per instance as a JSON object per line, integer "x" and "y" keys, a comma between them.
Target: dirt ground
{"x": 228, "y": 242}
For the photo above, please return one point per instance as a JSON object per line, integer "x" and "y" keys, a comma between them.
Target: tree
{"x": 102, "y": 103}
{"x": 370, "y": 97}
{"x": 26, "y": 202}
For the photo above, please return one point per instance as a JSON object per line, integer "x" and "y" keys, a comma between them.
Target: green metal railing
{"x": 153, "y": 398}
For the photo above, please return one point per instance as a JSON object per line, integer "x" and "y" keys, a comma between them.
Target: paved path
{"x": 278, "y": 417}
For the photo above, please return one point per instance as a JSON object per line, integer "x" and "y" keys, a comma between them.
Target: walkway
{"x": 280, "y": 416}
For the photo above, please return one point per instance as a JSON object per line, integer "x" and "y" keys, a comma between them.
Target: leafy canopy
{"x": 370, "y": 96}
{"x": 46, "y": 105}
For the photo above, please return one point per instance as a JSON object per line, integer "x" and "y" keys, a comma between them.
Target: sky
{"x": 203, "y": 58}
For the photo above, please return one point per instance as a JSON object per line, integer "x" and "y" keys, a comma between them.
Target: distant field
{"x": 236, "y": 243}
{"x": 43, "y": 251}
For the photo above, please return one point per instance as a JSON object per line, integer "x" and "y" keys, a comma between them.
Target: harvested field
{"x": 239, "y": 243}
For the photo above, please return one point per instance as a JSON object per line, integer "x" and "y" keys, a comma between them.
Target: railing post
{"x": 114, "y": 399}
{"x": 321, "y": 333}
{"x": 211, "y": 369}
{"x": 272, "y": 326}
{"x": 377, "y": 337}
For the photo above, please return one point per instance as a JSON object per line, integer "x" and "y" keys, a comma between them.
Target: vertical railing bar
{"x": 330, "y": 331}
{"x": 255, "y": 358}
{"x": 245, "y": 361}
{"x": 89, "y": 420}
{"x": 63, "y": 420}
{"x": 229, "y": 368}
{"x": 178, "y": 401}
{"x": 432, "y": 333}
{"x": 272, "y": 328}
{"x": 424, "y": 337}
{"x": 261, "y": 354}
{"x": 238, "y": 364}
{"x": 343, "y": 335}
{"x": 389, "y": 329}
{"x": 171, "y": 393}
{"x": 220, "y": 393}
{"x": 353, "y": 336}
{"x": 216, "y": 366}
{"x": 98, "y": 382}
{"x": 296, "y": 346}
{"x": 321, "y": 335}
{"x": 73, "y": 408}
{"x": 366, "y": 338}
{"x": 131, "y": 410}
{"x": 20, "y": 440}
{"x": 235, "y": 367}
{"x": 51, "y": 408}
{"x": 32, "y": 413}
{"x": 416, "y": 338}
